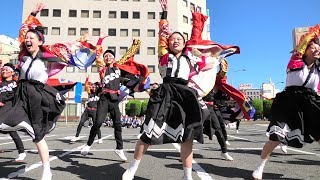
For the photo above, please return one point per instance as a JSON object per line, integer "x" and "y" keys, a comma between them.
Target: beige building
{"x": 9, "y": 49}
{"x": 122, "y": 20}
{"x": 297, "y": 33}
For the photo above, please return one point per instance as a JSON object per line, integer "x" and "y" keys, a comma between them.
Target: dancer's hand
{"x": 135, "y": 41}
{"x": 164, "y": 5}
{"x": 38, "y": 8}
{"x": 1, "y": 104}
{"x": 103, "y": 35}
{"x": 86, "y": 36}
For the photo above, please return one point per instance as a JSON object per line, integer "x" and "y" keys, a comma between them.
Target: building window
{"x": 72, "y": 31}
{"x": 70, "y": 110}
{"x": 72, "y": 13}
{"x": 185, "y": 3}
{"x": 85, "y": 13}
{"x": 112, "y": 0}
{"x": 96, "y": 14}
{"x": 55, "y": 31}
{"x": 14, "y": 61}
{"x": 113, "y": 48}
{"x": 151, "y": 50}
{"x": 83, "y": 31}
{"x": 44, "y": 13}
{"x": 152, "y": 68}
{"x": 160, "y": 14}
{"x": 136, "y": 0}
{"x": 151, "y": 15}
{"x": 199, "y": 9}
{"x": 112, "y": 14}
{"x": 135, "y": 32}
{"x": 96, "y": 32}
{"x": 82, "y": 70}
{"x": 112, "y": 32}
{"x": 185, "y": 19}
{"x": 70, "y": 69}
{"x": 124, "y": 15}
{"x": 186, "y": 36}
{"x": 192, "y": 7}
{"x": 123, "y": 50}
{"x": 136, "y": 15}
{"x": 151, "y": 0}
{"x": 56, "y": 13}
{"x": 123, "y": 32}
{"x": 94, "y": 68}
{"x": 124, "y": 0}
{"x": 151, "y": 33}
{"x": 45, "y": 30}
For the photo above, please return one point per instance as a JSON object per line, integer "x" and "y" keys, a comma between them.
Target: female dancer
{"x": 7, "y": 86}
{"x": 91, "y": 109}
{"x": 295, "y": 111}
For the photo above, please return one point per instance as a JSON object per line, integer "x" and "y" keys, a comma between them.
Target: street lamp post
{"x": 238, "y": 70}
{"x": 273, "y": 85}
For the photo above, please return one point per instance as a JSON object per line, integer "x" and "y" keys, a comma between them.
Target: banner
{"x": 78, "y": 92}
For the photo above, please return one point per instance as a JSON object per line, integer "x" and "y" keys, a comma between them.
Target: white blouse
{"x": 38, "y": 70}
{"x": 298, "y": 77}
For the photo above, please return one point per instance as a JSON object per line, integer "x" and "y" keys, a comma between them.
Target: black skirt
{"x": 36, "y": 108}
{"x": 294, "y": 118}
{"x": 173, "y": 115}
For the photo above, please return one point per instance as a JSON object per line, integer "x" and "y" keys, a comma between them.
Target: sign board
{"x": 245, "y": 86}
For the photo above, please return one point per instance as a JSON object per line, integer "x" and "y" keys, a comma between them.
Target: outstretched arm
{"x": 164, "y": 33}
{"x": 30, "y": 22}
{"x": 99, "y": 51}
{"x": 131, "y": 52}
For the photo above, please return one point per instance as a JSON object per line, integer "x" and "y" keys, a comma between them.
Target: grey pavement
{"x": 160, "y": 162}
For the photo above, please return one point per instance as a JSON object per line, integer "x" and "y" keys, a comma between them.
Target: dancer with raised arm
{"x": 295, "y": 111}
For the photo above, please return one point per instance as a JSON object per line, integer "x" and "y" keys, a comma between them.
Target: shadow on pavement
{"x": 231, "y": 172}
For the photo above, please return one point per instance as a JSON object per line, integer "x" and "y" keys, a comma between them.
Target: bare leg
{"x": 140, "y": 149}
{"x": 266, "y": 151}
{"x": 268, "y": 148}
{"x": 186, "y": 155}
{"x": 44, "y": 155}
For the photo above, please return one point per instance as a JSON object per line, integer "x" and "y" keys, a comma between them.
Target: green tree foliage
{"x": 258, "y": 105}
{"x": 267, "y": 108}
{"x": 144, "y": 107}
{"x": 133, "y": 108}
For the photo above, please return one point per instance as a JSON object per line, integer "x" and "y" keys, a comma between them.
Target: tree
{"x": 133, "y": 108}
{"x": 144, "y": 107}
{"x": 258, "y": 105}
{"x": 267, "y": 108}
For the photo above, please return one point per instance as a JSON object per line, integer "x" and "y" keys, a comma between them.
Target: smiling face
{"x": 109, "y": 58}
{"x": 176, "y": 43}
{"x": 7, "y": 72}
{"x": 312, "y": 51}
{"x": 32, "y": 42}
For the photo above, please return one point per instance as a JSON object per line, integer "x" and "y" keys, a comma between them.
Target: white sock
{"x": 46, "y": 166}
{"x": 262, "y": 164}
{"x": 134, "y": 166}
{"x": 187, "y": 173}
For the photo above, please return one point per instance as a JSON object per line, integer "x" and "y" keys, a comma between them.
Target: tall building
{"x": 249, "y": 91}
{"x": 121, "y": 20}
{"x": 297, "y": 33}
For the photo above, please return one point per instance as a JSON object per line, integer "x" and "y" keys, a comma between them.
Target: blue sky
{"x": 263, "y": 31}
{"x": 261, "y": 28}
